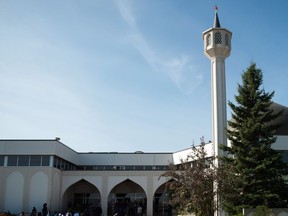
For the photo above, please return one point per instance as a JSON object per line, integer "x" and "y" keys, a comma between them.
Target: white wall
{"x": 177, "y": 156}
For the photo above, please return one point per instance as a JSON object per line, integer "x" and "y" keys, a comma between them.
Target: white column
{"x": 219, "y": 116}
{"x": 150, "y": 195}
{"x": 104, "y": 195}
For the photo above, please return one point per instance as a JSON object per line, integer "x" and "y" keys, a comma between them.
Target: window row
{"x": 26, "y": 160}
{"x": 60, "y": 163}
{"x": 126, "y": 167}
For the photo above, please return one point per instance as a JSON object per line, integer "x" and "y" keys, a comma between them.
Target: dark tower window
{"x": 208, "y": 40}
{"x": 218, "y": 38}
{"x": 227, "y": 41}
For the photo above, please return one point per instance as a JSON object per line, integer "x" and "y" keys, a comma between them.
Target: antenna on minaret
{"x": 216, "y": 18}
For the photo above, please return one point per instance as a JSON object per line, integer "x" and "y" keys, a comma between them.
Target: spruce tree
{"x": 258, "y": 168}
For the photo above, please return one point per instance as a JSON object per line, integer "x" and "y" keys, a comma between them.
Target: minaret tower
{"x": 217, "y": 47}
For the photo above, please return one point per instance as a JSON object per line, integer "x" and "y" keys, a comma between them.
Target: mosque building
{"x": 34, "y": 172}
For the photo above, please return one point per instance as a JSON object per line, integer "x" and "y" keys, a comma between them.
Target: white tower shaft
{"x": 219, "y": 114}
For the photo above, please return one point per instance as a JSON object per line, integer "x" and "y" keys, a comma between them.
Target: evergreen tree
{"x": 258, "y": 169}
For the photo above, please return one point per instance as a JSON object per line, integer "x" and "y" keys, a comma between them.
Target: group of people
{"x": 127, "y": 208}
{"x": 46, "y": 212}
{"x": 92, "y": 210}
{"x": 121, "y": 208}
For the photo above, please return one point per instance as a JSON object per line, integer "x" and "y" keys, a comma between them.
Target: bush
{"x": 262, "y": 211}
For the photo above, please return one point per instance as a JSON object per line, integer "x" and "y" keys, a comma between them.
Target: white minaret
{"x": 217, "y": 46}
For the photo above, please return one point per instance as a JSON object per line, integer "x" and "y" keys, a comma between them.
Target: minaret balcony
{"x": 217, "y": 42}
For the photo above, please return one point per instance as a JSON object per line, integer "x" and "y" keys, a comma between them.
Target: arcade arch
{"x": 126, "y": 198}
{"x": 82, "y": 196}
{"x": 161, "y": 204}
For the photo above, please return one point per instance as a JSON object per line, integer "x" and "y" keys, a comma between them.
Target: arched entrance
{"x": 126, "y": 198}
{"x": 82, "y": 196}
{"x": 161, "y": 204}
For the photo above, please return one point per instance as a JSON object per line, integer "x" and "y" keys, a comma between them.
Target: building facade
{"x": 34, "y": 172}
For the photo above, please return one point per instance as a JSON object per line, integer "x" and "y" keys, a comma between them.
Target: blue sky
{"x": 128, "y": 75}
